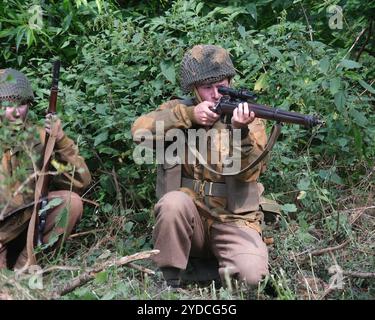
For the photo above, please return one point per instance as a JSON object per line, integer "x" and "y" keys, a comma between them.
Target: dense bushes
{"x": 121, "y": 63}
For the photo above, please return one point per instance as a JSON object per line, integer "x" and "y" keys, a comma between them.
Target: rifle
{"x": 231, "y": 98}
{"x": 41, "y": 206}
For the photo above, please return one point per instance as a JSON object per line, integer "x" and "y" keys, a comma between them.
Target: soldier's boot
{"x": 3, "y": 257}
{"x": 172, "y": 276}
{"x": 202, "y": 271}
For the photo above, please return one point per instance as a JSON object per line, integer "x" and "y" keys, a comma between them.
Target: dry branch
{"x": 75, "y": 235}
{"x": 326, "y": 250}
{"x": 357, "y": 274}
{"x": 90, "y": 275}
{"x": 141, "y": 268}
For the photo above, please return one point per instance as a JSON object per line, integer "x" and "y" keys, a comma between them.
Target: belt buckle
{"x": 201, "y": 188}
{"x": 210, "y": 188}
{"x": 196, "y": 185}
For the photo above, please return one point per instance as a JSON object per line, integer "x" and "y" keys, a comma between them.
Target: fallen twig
{"x": 140, "y": 268}
{"x": 325, "y": 250}
{"x": 357, "y": 274}
{"x": 90, "y": 275}
{"x": 75, "y": 235}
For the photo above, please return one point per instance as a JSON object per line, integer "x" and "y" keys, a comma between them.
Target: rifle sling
{"x": 31, "y": 259}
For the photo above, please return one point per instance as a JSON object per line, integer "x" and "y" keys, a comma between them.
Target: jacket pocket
{"x": 241, "y": 196}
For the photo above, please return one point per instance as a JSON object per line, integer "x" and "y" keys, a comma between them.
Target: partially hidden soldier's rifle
{"x": 41, "y": 206}
{"x": 231, "y": 98}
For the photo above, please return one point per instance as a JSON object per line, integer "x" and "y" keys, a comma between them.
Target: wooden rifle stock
{"x": 41, "y": 206}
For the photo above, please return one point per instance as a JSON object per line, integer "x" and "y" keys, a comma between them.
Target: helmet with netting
{"x": 204, "y": 64}
{"x": 15, "y": 87}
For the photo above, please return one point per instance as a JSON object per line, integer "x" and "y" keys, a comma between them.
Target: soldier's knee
{"x": 72, "y": 201}
{"x": 250, "y": 272}
{"x": 173, "y": 204}
{"x": 76, "y": 207}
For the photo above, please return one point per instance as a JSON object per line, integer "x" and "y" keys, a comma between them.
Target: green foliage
{"x": 121, "y": 61}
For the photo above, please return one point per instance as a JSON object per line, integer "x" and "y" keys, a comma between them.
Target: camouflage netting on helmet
{"x": 15, "y": 87}
{"x": 205, "y": 64}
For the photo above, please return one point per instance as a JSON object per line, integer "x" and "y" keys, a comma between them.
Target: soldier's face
{"x": 16, "y": 113}
{"x": 209, "y": 92}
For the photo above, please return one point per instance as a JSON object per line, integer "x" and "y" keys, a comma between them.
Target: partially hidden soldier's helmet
{"x": 204, "y": 64}
{"x": 15, "y": 87}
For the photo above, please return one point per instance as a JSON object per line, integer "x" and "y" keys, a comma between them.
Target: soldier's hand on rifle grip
{"x": 204, "y": 115}
{"x": 53, "y": 120}
{"x": 242, "y": 116}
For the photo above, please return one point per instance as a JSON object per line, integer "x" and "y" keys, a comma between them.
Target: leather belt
{"x": 206, "y": 188}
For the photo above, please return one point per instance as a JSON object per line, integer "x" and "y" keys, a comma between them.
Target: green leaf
{"x": 242, "y": 31}
{"x": 52, "y": 204}
{"x": 359, "y": 118}
{"x": 289, "y": 207}
{"x": 275, "y": 52}
{"x": 109, "y": 296}
{"x": 350, "y": 64}
{"x": 91, "y": 81}
{"x": 62, "y": 218}
{"x": 199, "y": 7}
{"x": 137, "y": 38}
{"x": 324, "y": 65}
{"x": 101, "y": 277}
{"x": 340, "y": 100}
{"x": 342, "y": 142}
{"x": 261, "y": 84}
{"x": 128, "y": 227}
{"x": 331, "y": 176}
{"x": 101, "y": 138}
{"x": 303, "y": 184}
{"x": 99, "y": 5}
{"x": 358, "y": 142}
{"x": 101, "y": 108}
{"x": 252, "y": 9}
{"x": 366, "y": 86}
{"x": 29, "y": 37}
{"x": 20, "y": 34}
{"x": 167, "y": 69}
{"x": 53, "y": 238}
{"x": 65, "y": 44}
{"x": 334, "y": 85}
{"x": 335, "y": 178}
{"x": 85, "y": 294}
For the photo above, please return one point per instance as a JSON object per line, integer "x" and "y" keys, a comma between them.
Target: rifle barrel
{"x": 274, "y": 114}
{"x": 54, "y": 87}
{"x": 232, "y": 97}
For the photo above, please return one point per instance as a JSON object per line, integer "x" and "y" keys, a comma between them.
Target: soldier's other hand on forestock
{"x": 53, "y": 120}
{"x": 242, "y": 116}
{"x": 204, "y": 115}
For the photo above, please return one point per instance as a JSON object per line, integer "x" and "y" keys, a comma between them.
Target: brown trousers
{"x": 180, "y": 233}
{"x": 74, "y": 205}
